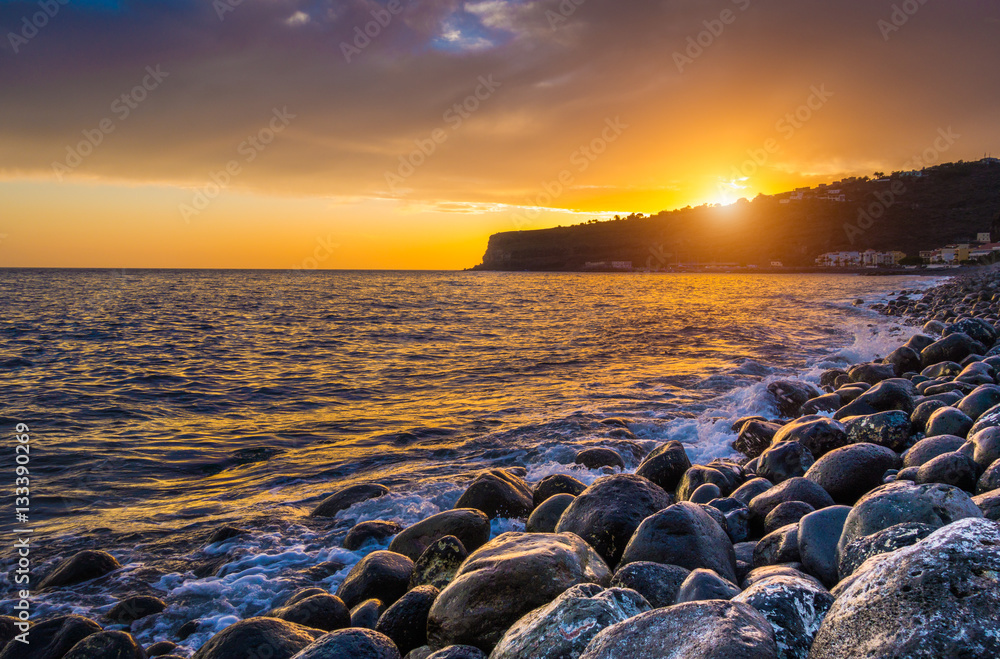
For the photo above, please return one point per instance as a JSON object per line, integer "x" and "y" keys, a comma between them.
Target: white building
{"x": 839, "y": 259}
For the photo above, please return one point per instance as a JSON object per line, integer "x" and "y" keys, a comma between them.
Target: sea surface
{"x": 163, "y": 404}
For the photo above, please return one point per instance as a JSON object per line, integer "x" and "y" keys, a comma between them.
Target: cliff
{"x": 905, "y": 212}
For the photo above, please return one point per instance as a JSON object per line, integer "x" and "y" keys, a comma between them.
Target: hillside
{"x": 906, "y": 212}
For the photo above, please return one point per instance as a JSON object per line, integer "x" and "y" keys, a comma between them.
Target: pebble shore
{"x": 860, "y": 522}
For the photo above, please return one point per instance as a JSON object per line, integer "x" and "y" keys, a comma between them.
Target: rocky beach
{"x": 859, "y": 520}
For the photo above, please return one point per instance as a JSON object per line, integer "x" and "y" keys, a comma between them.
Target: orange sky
{"x": 118, "y": 123}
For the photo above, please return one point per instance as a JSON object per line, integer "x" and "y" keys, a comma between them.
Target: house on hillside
{"x": 873, "y": 258}
{"x": 839, "y": 259}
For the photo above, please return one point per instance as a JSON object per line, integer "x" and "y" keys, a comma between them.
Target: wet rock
{"x": 817, "y": 433}
{"x": 794, "y": 489}
{"x": 754, "y": 437}
{"x": 350, "y": 644}
{"x": 783, "y": 461}
{"x": 159, "y": 649}
{"x": 665, "y": 465}
{"x": 904, "y": 359}
{"x": 366, "y": 614}
{"x": 948, "y": 421}
{"x": 52, "y": 638}
{"x": 951, "y": 469}
{"x": 871, "y": 373}
{"x": 790, "y": 395}
{"x": 545, "y": 516}
{"x": 683, "y": 534}
{"x": 990, "y": 480}
{"x": 937, "y": 598}
{"x": 989, "y": 504}
{"x": 976, "y": 328}
{"x": 133, "y": 608}
{"x": 922, "y": 414}
{"x": 107, "y": 645}
{"x": 705, "y": 493}
{"x": 498, "y": 493}
{"x": 347, "y": 497}
{"x": 405, "y": 622}
{"x": 699, "y": 475}
{"x": 597, "y": 457}
{"x": 565, "y": 626}
{"x": 656, "y": 582}
{"x": 80, "y": 567}
{"x": 849, "y": 393}
{"x": 818, "y": 535}
{"x": 828, "y": 377}
{"x": 780, "y": 546}
{"x": 850, "y": 472}
{"x": 952, "y": 348}
{"x": 889, "y": 395}
{"x": 383, "y": 575}
{"x": 930, "y": 448}
{"x": 903, "y": 501}
{"x": 884, "y": 541}
{"x": 246, "y": 637}
{"x": 825, "y": 403}
{"x": 608, "y": 512}
{"x": 980, "y": 400}
{"x": 942, "y": 369}
{"x": 792, "y": 570}
{"x": 890, "y": 429}
{"x": 226, "y": 532}
{"x": 746, "y": 492}
{"x": 789, "y": 512}
{"x": 985, "y": 446}
{"x": 500, "y": 582}
{"x": 370, "y": 532}
{"x": 556, "y": 484}
{"x": 471, "y": 527}
{"x": 319, "y": 611}
{"x": 795, "y": 608}
{"x": 712, "y": 629}
{"x": 933, "y": 327}
{"x": 439, "y": 563}
{"x": 702, "y": 584}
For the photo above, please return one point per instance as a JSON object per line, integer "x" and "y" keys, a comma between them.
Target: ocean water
{"x": 163, "y": 404}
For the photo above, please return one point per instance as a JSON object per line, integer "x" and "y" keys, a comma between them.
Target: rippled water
{"x": 164, "y": 403}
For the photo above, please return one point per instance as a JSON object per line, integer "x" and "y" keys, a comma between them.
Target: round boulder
{"x": 658, "y": 583}
{"x": 597, "y": 457}
{"x": 565, "y": 626}
{"x": 347, "y": 497}
{"x": 471, "y": 527}
{"x": 556, "y": 484}
{"x": 439, "y": 563}
{"x": 608, "y": 512}
{"x": 794, "y": 606}
{"x": 350, "y": 643}
{"x": 369, "y": 532}
{"x": 702, "y": 584}
{"x": 929, "y": 448}
{"x": 683, "y": 534}
{"x": 506, "y": 578}
{"x": 890, "y": 429}
{"x": 783, "y": 461}
{"x": 711, "y": 629}
{"x": 848, "y": 473}
{"x": 107, "y": 645}
{"x": 882, "y": 542}
{"x": 953, "y": 468}
{"x": 819, "y": 434}
{"x": 383, "y": 575}
{"x": 937, "y": 598}
{"x": 405, "y": 622}
{"x": 242, "y": 639}
{"x": 82, "y": 566}
{"x": 948, "y": 421}
{"x": 904, "y": 501}
{"x": 498, "y": 493}
{"x": 545, "y": 517}
{"x": 666, "y": 465}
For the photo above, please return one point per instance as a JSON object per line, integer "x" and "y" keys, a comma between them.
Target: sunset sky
{"x": 408, "y": 146}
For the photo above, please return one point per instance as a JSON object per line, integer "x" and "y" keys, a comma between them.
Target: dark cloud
{"x": 563, "y": 68}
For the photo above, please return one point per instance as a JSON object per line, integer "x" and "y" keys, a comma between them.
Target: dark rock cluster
{"x": 861, "y": 522}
